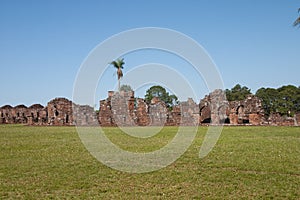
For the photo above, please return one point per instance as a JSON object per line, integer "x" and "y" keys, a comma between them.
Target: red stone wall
{"x": 123, "y": 109}
{"x": 60, "y": 112}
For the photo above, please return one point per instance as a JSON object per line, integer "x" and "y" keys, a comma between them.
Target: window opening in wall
{"x": 67, "y": 118}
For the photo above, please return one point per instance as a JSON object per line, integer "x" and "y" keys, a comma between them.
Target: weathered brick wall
{"x": 174, "y": 116}
{"x": 60, "y": 112}
{"x": 123, "y": 109}
{"x": 189, "y": 113}
{"x": 19, "y": 114}
{"x": 6, "y": 114}
{"x": 297, "y": 119}
{"x": 37, "y": 115}
{"x": 84, "y": 115}
{"x": 157, "y": 113}
{"x": 276, "y": 119}
{"x": 214, "y": 108}
{"x": 248, "y": 111}
{"x": 141, "y": 113}
{"x": 105, "y": 113}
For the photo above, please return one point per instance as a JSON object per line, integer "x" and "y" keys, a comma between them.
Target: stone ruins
{"x": 123, "y": 109}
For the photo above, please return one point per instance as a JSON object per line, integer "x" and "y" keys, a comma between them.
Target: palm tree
{"x": 297, "y": 22}
{"x": 118, "y": 64}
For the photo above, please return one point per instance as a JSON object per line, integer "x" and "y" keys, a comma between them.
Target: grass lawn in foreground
{"x": 246, "y": 163}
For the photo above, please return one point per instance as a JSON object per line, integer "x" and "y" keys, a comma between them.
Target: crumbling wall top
{"x": 36, "y": 106}
{"x": 6, "y": 107}
{"x": 20, "y": 106}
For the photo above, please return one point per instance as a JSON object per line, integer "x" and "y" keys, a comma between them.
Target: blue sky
{"x": 43, "y": 43}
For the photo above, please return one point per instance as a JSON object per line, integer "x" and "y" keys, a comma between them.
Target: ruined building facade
{"x": 123, "y": 109}
{"x": 59, "y": 112}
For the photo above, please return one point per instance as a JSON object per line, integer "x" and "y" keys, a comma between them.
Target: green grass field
{"x": 246, "y": 163}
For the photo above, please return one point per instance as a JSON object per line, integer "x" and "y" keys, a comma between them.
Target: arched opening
{"x": 225, "y": 121}
{"x": 242, "y": 117}
{"x": 222, "y": 114}
{"x": 246, "y": 121}
{"x": 240, "y": 110}
{"x": 201, "y": 109}
{"x": 56, "y": 113}
{"x": 204, "y": 111}
{"x": 206, "y": 121}
{"x": 205, "y": 115}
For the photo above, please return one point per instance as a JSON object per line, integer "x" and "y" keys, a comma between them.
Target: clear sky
{"x": 43, "y": 43}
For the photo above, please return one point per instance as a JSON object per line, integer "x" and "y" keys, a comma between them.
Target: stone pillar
{"x": 233, "y": 119}
{"x": 29, "y": 120}
{"x": 254, "y": 119}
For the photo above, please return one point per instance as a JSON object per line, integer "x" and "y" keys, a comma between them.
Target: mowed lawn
{"x": 247, "y": 163}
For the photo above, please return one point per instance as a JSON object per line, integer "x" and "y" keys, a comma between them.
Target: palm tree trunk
{"x": 119, "y": 85}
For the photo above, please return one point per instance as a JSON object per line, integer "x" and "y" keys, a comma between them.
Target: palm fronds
{"x": 297, "y": 22}
{"x": 118, "y": 63}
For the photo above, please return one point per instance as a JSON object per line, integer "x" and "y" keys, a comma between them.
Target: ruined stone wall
{"x": 141, "y": 113}
{"x": 6, "y": 114}
{"x": 13, "y": 115}
{"x": 248, "y": 111}
{"x": 157, "y": 112}
{"x": 60, "y": 112}
{"x": 105, "y": 113}
{"x": 174, "y": 116}
{"x": 214, "y": 108}
{"x": 84, "y": 115}
{"x": 37, "y": 115}
{"x": 189, "y": 113}
{"x": 123, "y": 109}
{"x": 19, "y": 114}
{"x": 276, "y": 119}
{"x": 297, "y": 119}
